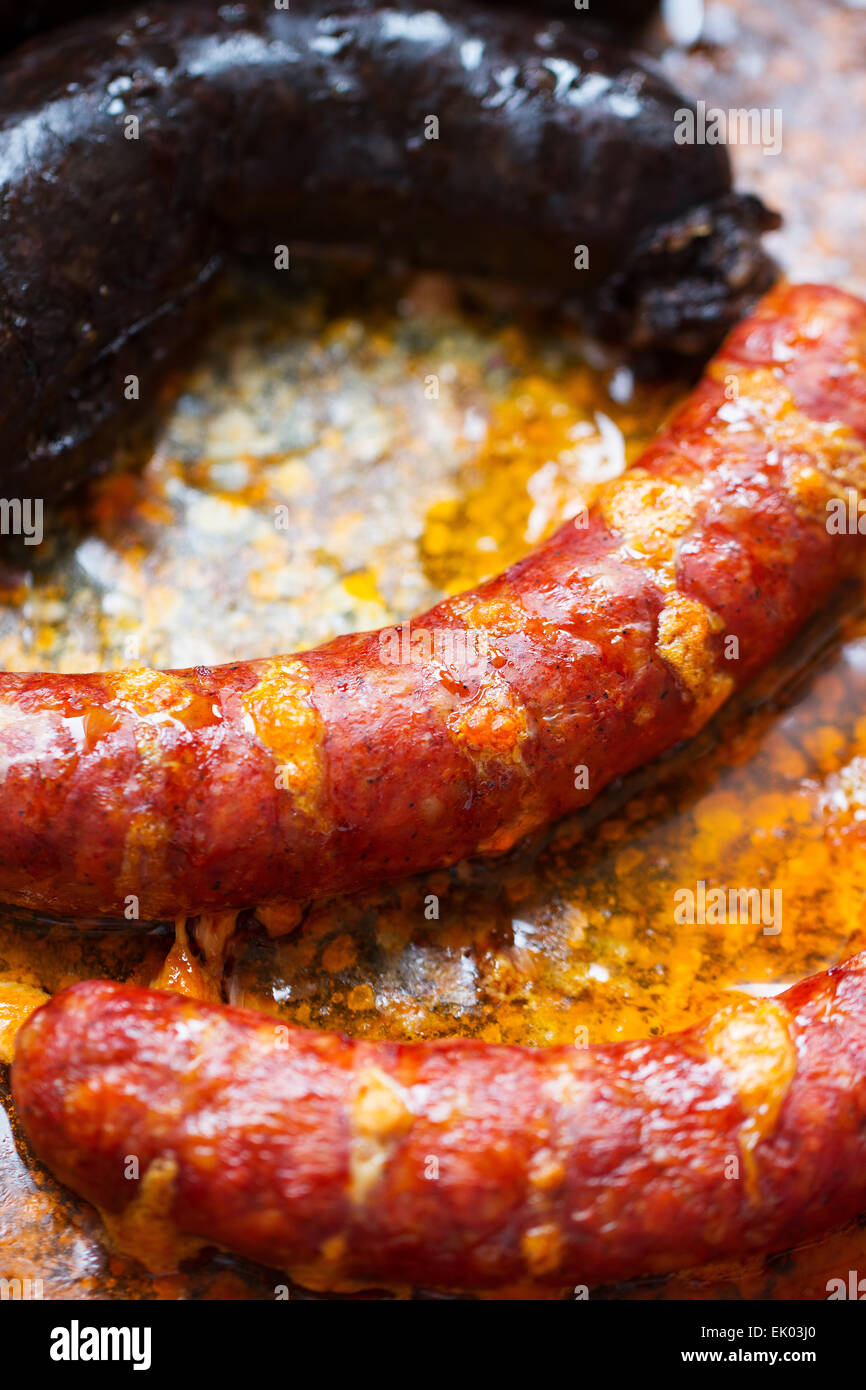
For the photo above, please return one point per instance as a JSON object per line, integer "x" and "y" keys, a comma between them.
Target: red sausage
{"x": 382, "y": 754}
{"x": 455, "y": 1164}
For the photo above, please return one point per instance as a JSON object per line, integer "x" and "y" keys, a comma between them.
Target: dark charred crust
{"x": 689, "y": 281}
{"x": 20, "y": 21}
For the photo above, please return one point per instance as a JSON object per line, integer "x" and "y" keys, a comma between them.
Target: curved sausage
{"x": 137, "y": 150}
{"x": 382, "y": 754}
{"x": 455, "y": 1164}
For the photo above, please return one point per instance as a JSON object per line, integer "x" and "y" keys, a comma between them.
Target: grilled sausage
{"x": 455, "y": 1164}
{"x": 382, "y": 754}
{"x": 137, "y": 150}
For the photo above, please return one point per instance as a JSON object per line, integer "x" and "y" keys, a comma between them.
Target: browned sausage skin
{"x": 382, "y": 754}
{"x": 454, "y": 1164}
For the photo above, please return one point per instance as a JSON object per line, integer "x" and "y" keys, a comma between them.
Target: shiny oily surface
{"x": 393, "y": 496}
{"x": 571, "y": 938}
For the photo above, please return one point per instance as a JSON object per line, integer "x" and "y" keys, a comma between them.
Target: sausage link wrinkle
{"x": 201, "y": 129}
{"x": 383, "y": 754}
{"x": 456, "y": 1164}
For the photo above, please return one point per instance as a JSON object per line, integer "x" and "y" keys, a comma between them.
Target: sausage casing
{"x": 383, "y": 754}
{"x": 456, "y": 1164}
